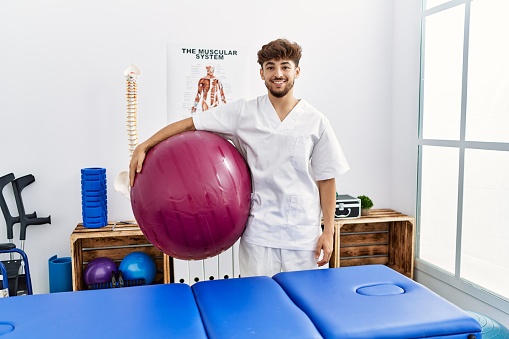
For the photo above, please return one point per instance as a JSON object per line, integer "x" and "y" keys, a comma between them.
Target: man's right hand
{"x": 136, "y": 163}
{"x": 166, "y": 132}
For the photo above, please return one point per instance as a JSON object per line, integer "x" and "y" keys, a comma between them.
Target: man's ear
{"x": 262, "y": 74}
{"x": 297, "y": 72}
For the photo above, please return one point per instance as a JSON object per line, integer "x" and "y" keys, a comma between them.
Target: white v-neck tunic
{"x": 286, "y": 158}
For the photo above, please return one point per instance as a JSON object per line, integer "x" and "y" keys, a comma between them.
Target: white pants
{"x": 257, "y": 260}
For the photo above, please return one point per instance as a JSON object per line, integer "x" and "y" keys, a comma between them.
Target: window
{"x": 463, "y": 202}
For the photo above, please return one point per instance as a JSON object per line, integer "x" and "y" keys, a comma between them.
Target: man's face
{"x": 279, "y": 76}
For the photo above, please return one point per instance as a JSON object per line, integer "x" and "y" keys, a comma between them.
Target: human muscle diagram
{"x": 210, "y": 91}
{"x": 200, "y": 78}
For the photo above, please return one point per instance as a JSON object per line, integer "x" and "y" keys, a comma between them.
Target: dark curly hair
{"x": 280, "y": 49}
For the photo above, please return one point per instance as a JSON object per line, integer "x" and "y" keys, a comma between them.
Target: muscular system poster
{"x": 203, "y": 76}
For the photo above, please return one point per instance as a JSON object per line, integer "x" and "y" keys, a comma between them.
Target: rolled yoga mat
{"x": 60, "y": 274}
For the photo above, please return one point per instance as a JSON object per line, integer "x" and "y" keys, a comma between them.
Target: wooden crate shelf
{"x": 383, "y": 237}
{"x": 114, "y": 241}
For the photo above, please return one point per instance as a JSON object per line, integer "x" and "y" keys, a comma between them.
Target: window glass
{"x": 439, "y": 196}
{"x": 442, "y": 74}
{"x": 485, "y": 233}
{"x": 488, "y": 72}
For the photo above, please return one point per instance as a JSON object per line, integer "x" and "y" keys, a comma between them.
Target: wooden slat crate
{"x": 114, "y": 241}
{"x": 383, "y": 237}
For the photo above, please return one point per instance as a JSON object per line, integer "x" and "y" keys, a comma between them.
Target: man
{"x": 209, "y": 83}
{"x": 293, "y": 156}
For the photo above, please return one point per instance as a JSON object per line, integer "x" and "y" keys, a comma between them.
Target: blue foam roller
{"x": 100, "y": 212}
{"x": 89, "y": 224}
{"x": 94, "y": 212}
{"x": 93, "y": 178}
{"x": 95, "y": 222}
{"x": 100, "y": 219}
{"x": 60, "y": 274}
{"x": 101, "y": 193}
{"x": 86, "y": 204}
{"x": 93, "y": 171}
{"x": 94, "y": 199}
{"x": 93, "y": 185}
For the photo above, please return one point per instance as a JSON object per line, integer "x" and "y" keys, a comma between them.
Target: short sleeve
{"x": 222, "y": 119}
{"x": 327, "y": 159}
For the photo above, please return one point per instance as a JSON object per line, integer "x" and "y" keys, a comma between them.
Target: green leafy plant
{"x": 366, "y": 202}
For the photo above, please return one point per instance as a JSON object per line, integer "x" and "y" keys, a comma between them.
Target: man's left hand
{"x": 325, "y": 245}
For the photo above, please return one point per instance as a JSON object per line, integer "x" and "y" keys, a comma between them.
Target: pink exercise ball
{"x": 193, "y": 195}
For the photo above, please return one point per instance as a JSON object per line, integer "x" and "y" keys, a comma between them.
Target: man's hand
{"x": 166, "y": 132}
{"x": 137, "y": 160}
{"x": 325, "y": 244}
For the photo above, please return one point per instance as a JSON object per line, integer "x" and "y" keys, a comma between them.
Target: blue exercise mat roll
{"x": 60, "y": 274}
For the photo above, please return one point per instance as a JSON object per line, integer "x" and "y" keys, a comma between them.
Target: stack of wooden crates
{"x": 113, "y": 241}
{"x": 383, "y": 237}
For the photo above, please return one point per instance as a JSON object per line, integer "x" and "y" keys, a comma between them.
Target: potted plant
{"x": 366, "y": 204}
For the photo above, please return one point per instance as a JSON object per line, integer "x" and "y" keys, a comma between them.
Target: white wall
{"x": 405, "y": 105}
{"x": 62, "y": 90}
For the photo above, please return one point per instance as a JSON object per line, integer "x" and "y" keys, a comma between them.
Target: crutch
{"x": 25, "y": 220}
{"x": 10, "y": 220}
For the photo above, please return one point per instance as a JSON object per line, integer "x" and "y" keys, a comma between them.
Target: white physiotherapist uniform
{"x": 286, "y": 158}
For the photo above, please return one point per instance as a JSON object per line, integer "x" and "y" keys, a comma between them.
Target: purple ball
{"x": 193, "y": 195}
{"x": 99, "y": 271}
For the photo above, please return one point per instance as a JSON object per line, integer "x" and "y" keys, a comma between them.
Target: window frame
{"x": 462, "y": 145}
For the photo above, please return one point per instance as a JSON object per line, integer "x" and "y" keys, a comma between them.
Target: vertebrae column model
{"x": 131, "y": 74}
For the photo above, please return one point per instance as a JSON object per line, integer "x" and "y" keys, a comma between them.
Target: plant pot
{"x": 365, "y": 211}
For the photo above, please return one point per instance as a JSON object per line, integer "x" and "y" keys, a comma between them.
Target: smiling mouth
{"x": 278, "y": 82}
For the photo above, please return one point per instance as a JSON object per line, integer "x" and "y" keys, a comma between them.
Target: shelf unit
{"x": 114, "y": 241}
{"x": 383, "y": 237}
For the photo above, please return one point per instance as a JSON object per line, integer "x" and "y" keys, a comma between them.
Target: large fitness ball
{"x": 138, "y": 265}
{"x": 99, "y": 270}
{"x": 193, "y": 195}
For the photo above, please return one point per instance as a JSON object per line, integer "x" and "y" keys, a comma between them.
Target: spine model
{"x": 131, "y": 74}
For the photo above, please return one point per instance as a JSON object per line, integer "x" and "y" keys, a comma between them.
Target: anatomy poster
{"x": 201, "y": 77}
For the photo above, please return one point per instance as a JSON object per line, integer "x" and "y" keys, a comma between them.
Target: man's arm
{"x": 198, "y": 95}
{"x": 141, "y": 150}
{"x": 221, "y": 92}
{"x": 327, "y": 189}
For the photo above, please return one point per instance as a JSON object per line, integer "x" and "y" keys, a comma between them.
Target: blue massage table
{"x": 369, "y": 302}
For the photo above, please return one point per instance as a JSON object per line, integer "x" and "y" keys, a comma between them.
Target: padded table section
{"x": 155, "y": 311}
{"x": 389, "y": 304}
{"x": 253, "y": 307}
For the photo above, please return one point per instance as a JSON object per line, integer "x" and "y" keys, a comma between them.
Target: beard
{"x": 279, "y": 92}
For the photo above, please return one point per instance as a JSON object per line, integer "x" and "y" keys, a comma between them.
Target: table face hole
{"x": 380, "y": 290}
{"x": 6, "y": 328}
